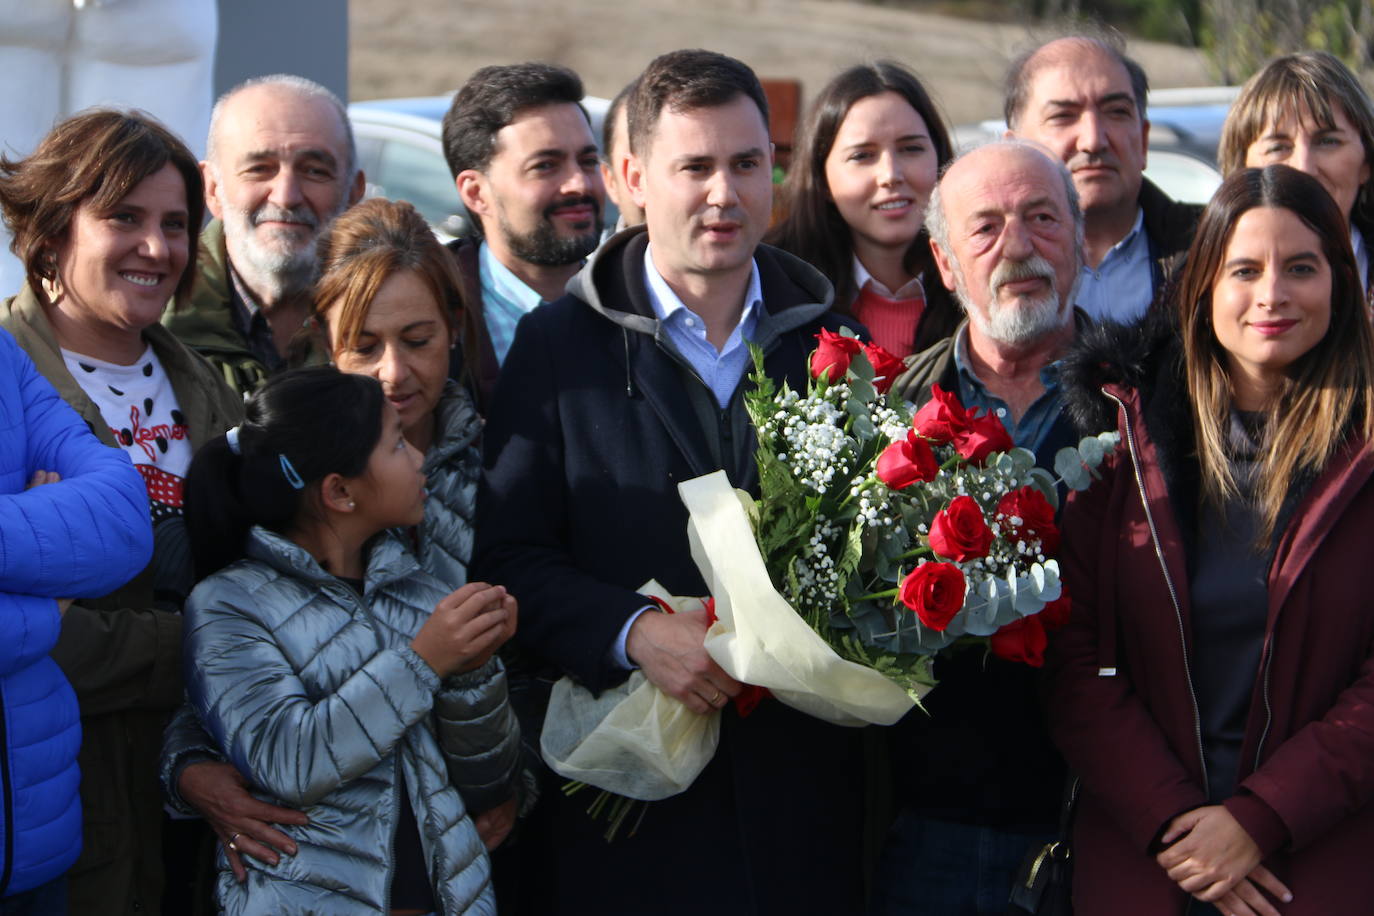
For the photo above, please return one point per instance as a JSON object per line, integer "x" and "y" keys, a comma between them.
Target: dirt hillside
{"x": 422, "y": 47}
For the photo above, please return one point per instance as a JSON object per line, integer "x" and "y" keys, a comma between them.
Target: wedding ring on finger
{"x": 717, "y": 698}
{"x": 231, "y": 842}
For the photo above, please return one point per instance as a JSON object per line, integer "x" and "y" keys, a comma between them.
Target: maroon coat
{"x": 1307, "y": 762}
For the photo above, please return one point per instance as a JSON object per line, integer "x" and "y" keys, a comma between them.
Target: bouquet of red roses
{"x": 878, "y": 539}
{"x": 896, "y": 535}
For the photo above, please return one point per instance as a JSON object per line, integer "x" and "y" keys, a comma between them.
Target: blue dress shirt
{"x": 505, "y": 300}
{"x": 721, "y": 370}
{"x": 1035, "y": 428}
{"x": 1123, "y": 285}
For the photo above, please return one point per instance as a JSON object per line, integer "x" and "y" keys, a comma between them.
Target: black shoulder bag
{"x": 1044, "y": 882}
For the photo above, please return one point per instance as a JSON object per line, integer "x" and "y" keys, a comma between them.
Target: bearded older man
{"x": 280, "y": 165}
{"x": 1007, "y": 235}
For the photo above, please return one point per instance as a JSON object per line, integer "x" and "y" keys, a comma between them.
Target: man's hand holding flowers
{"x": 669, "y": 649}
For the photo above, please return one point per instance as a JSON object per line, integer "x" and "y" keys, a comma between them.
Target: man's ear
{"x": 635, "y": 168}
{"x": 212, "y": 190}
{"x": 944, "y": 265}
{"x": 355, "y": 193}
{"x": 474, "y": 192}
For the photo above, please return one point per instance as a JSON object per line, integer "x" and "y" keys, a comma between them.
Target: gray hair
{"x": 937, "y": 222}
{"x": 306, "y": 88}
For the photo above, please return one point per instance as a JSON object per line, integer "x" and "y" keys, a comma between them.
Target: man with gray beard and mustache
{"x": 1006, "y": 232}
{"x": 280, "y": 165}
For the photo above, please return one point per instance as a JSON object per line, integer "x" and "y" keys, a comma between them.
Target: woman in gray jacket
{"x": 334, "y": 673}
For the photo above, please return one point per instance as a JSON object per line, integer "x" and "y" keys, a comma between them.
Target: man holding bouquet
{"x": 977, "y": 780}
{"x": 611, "y": 396}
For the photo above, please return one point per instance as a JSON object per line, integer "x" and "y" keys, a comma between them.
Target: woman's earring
{"x": 352, "y": 504}
{"x": 52, "y": 284}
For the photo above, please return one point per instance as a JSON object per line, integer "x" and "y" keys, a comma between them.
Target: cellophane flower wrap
{"x": 897, "y": 534}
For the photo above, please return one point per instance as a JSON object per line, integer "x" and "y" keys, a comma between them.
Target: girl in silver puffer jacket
{"x": 335, "y": 673}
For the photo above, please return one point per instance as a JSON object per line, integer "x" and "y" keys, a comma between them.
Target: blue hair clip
{"x": 232, "y": 437}
{"x": 289, "y": 472}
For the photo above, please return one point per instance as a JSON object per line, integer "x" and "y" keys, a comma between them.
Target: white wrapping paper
{"x": 757, "y": 637}
{"x": 634, "y": 739}
{"x": 638, "y": 742}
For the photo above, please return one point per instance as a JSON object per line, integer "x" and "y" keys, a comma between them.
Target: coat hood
{"x": 1125, "y": 357}
{"x": 612, "y": 283}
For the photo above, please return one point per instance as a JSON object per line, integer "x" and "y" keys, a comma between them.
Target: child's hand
{"x": 466, "y": 628}
{"x": 512, "y": 610}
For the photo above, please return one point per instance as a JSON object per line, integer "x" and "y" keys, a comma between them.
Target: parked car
{"x": 402, "y": 154}
{"x": 1185, "y": 128}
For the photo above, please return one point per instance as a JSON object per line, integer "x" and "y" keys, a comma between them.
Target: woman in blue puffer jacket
{"x": 86, "y": 533}
{"x": 334, "y": 673}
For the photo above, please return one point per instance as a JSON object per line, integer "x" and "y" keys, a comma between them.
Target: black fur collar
{"x": 1148, "y": 358}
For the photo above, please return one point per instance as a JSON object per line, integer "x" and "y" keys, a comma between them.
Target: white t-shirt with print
{"x": 140, "y": 408}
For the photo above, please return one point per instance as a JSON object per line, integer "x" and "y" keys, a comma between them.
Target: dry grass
{"x": 424, "y": 47}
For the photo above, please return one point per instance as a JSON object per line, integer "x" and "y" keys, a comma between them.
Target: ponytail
{"x": 300, "y": 427}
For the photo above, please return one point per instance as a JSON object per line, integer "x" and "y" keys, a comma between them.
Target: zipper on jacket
{"x": 8, "y": 866}
{"x": 1268, "y": 663}
{"x": 1168, "y": 579}
{"x": 395, "y": 821}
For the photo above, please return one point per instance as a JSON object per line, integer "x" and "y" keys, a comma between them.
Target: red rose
{"x": 935, "y": 591}
{"x": 1034, "y": 518}
{"x": 886, "y": 367}
{"x": 984, "y": 435}
{"x": 1055, "y": 614}
{"x": 959, "y": 533}
{"x": 1021, "y": 641}
{"x": 941, "y": 418}
{"x": 831, "y": 358}
{"x": 907, "y": 461}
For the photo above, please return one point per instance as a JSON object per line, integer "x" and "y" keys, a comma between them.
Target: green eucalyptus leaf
{"x": 1043, "y": 481}
{"x": 1091, "y": 451}
{"x": 861, "y": 367}
{"x": 862, "y": 390}
{"x": 1069, "y": 466}
{"x": 1022, "y": 460}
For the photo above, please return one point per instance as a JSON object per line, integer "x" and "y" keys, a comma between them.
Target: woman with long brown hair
{"x": 854, "y": 203}
{"x": 1214, "y": 689}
